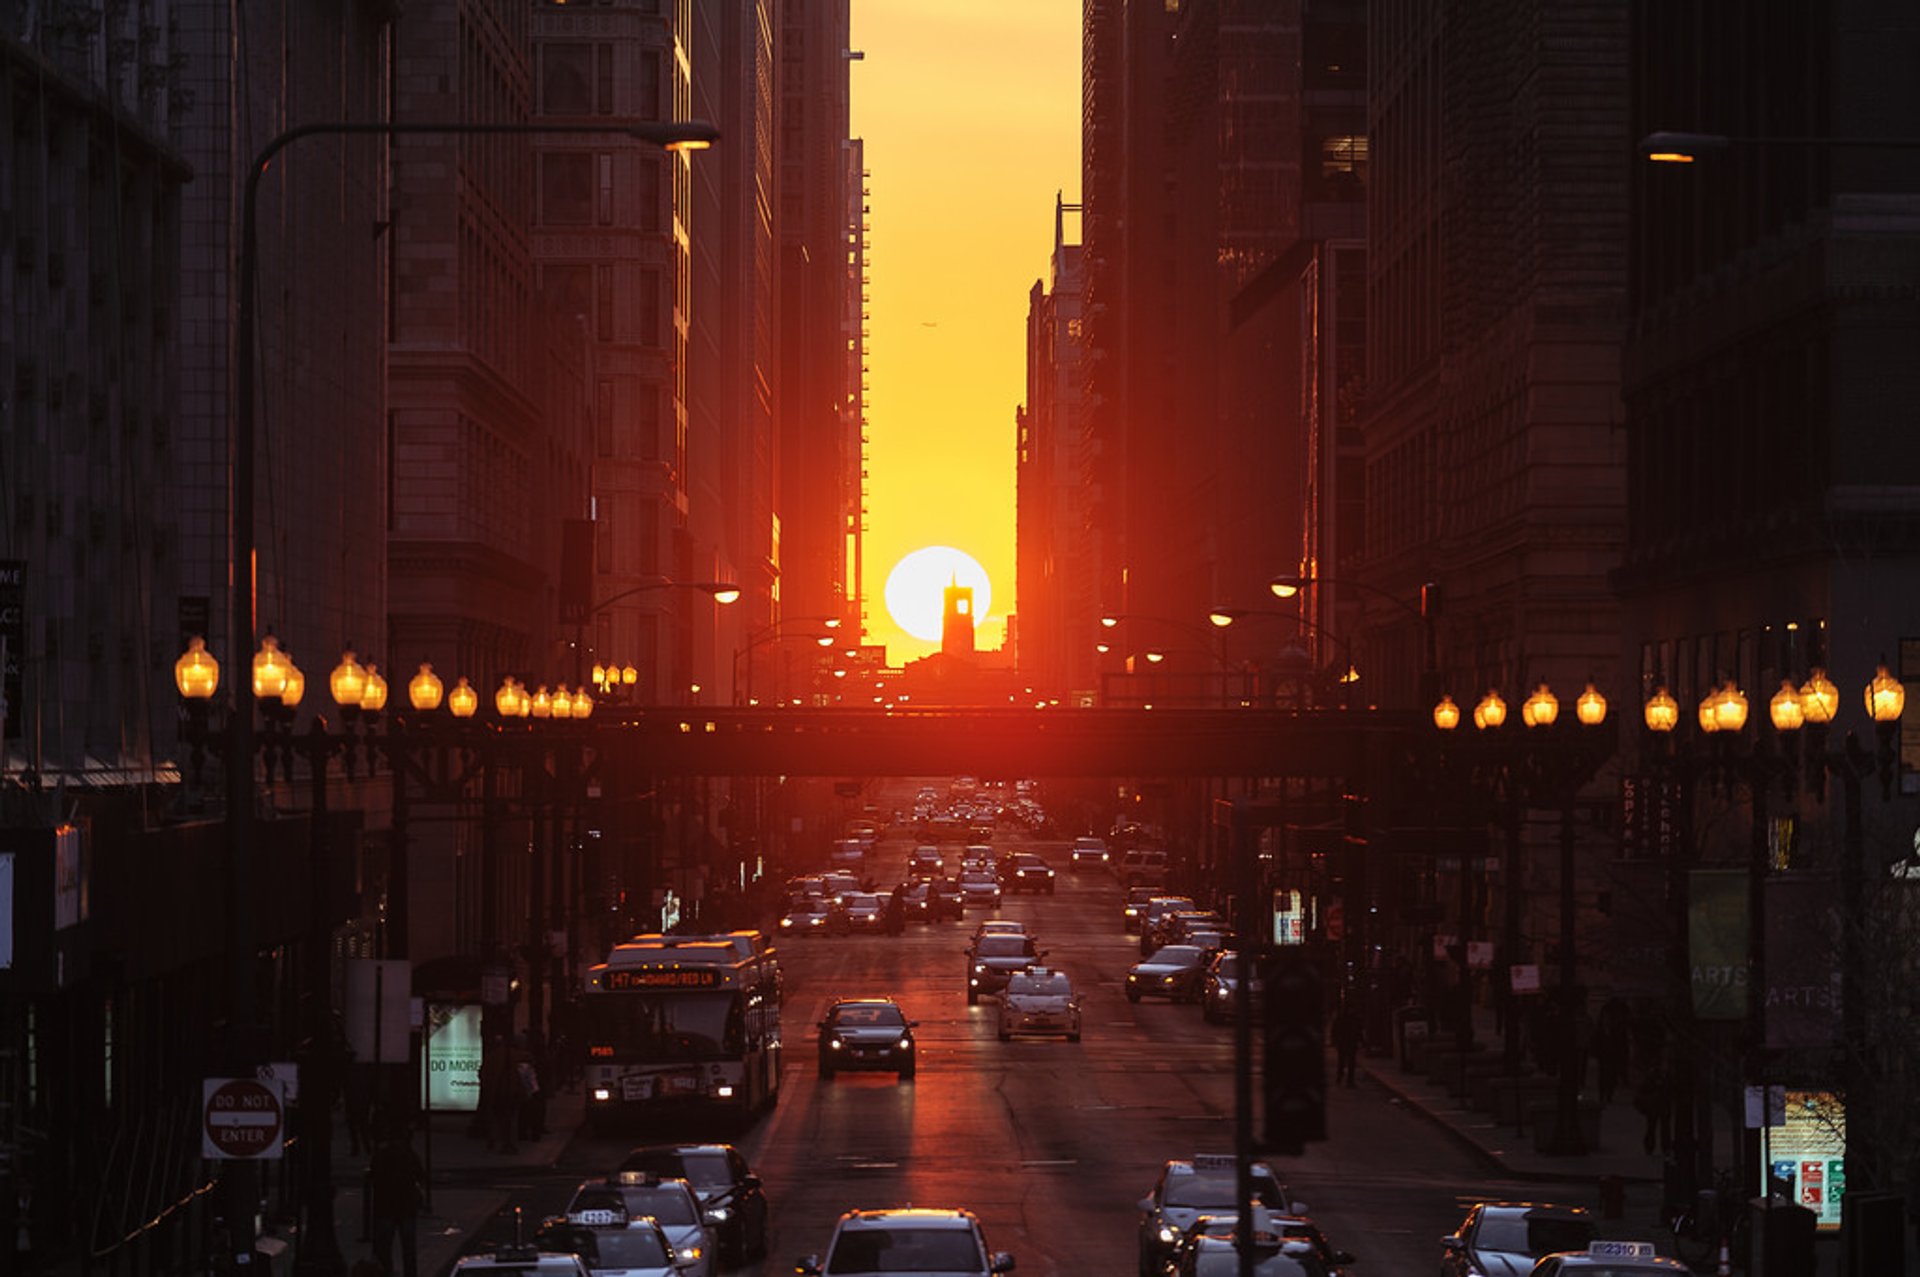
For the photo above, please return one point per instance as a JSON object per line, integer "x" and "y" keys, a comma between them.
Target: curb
{"x": 1485, "y": 1156}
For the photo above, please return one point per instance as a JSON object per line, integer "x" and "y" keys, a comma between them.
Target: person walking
{"x": 1653, "y": 1099}
{"x": 499, "y": 1096}
{"x": 1347, "y": 1035}
{"x": 396, "y": 1189}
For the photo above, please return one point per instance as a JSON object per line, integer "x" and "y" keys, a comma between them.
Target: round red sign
{"x": 243, "y": 1118}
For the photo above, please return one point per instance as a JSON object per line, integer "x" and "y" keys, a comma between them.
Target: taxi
{"x": 669, "y": 1201}
{"x": 1206, "y": 1184}
{"x": 1040, "y": 1000}
{"x": 1608, "y": 1259}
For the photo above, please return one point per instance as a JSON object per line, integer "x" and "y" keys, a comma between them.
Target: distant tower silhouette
{"x": 956, "y": 620}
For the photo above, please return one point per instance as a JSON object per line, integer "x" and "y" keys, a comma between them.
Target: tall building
{"x": 1773, "y": 530}
{"x": 614, "y": 222}
{"x": 1052, "y": 475}
{"x": 821, "y": 232}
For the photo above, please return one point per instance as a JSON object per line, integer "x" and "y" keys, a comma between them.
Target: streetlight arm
{"x": 1675, "y": 147}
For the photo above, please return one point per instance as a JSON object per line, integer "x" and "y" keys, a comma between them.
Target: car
{"x": 866, "y": 1033}
{"x": 1173, "y": 972}
{"x": 1172, "y": 926}
{"x": 1276, "y": 1226}
{"x": 1502, "y": 1238}
{"x": 526, "y": 1261}
{"x": 1040, "y": 1000}
{"x": 1157, "y": 908}
{"x": 1141, "y": 866}
{"x": 1608, "y": 1259}
{"x": 949, "y": 892}
{"x": 1205, "y": 1184}
{"x": 1218, "y": 988}
{"x": 995, "y": 927}
{"x": 895, "y": 1243}
{"x": 979, "y": 889}
{"x": 730, "y": 1194}
{"x": 1030, "y": 873}
{"x": 849, "y": 851}
{"x": 810, "y": 916}
{"x": 926, "y": 860}
{"x": 993, "y": 961}
{"x": 839, "y": 885}
{"x": 634, "y": 1246}
{"x": 1086, "y": 854}
{"x": 1135, "y": 905}
{"x": 866, "y": 913}
{"x": 1274, "y": 1255}
{"x": 671, "y": 1203}
{"x": 923, "y": 904}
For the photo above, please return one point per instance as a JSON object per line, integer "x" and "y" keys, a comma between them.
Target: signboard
{"x": 375, "y": 1014}
{"x": 663, "y": 978}
{"x": 1480, "y": 955}
{"x": 1717, "y": 943}
{"x": 1524, "y": 977}
{"x": 1443, "y": 946}
{"x": 1808, "y": 1152}
{"x": 1289, "y": 918}
{"x": 450, "y": 1058}
{"x": 1649, "y": 818}
{"x": 241, "y": 1119}
{"x": 284, "y": 1074}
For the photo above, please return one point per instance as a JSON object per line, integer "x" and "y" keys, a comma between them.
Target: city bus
{"x": 682, "y": 1024}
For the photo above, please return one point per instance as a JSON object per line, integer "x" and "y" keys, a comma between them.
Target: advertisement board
{"x": 1808, "y": 1152}
{"x": 450, "y": 1058}
{"x": 1717, "y": 943}
{"x": 1289, "y": 918}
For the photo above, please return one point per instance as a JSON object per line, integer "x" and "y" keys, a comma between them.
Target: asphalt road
{"x": 1051, "y": 1143}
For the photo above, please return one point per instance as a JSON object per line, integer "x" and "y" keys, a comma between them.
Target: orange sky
{"x": 970, "y": 110}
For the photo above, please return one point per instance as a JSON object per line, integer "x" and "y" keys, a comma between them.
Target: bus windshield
{"x": 671, "y": 1026}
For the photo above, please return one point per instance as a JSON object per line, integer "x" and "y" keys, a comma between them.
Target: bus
{"x": 682, "y": 1024}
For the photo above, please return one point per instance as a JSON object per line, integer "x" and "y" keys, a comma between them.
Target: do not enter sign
{"x": 242, "y": 1119}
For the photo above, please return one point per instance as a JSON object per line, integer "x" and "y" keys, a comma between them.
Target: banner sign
{"x": 1803, "y": 961}
{"x": 1717, "y": 943}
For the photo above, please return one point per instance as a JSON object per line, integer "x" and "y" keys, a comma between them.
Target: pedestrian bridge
{"x": 955, "y": 741}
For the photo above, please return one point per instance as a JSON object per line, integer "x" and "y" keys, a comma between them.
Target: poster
{"x": 1808, "y": 1153}
{"x": 450, "y": 1058}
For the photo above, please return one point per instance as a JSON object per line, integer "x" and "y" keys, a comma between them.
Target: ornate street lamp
{"x": 425, "y": 690}
{"x": 1591, "y": 708}
{"x": 462, "y": 701}
{"x": 1541, "y": 708}
{"x": 1662, "y": 712}
{"x": 1446, "y": 715}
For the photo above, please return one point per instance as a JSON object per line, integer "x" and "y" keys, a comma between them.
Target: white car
{"x": 896, "y": 1243}
{"x": 671, "y": 1203}
{"x": 1040, "y": 1000}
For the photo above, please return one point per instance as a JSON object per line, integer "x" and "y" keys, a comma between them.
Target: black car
{"x": 1028, "y": 873}
{"x": 1504, "y": 1239}
{"x": 993, "y": 961}
{"x": 866, "y": 1033}
{"x": 728, "y": 1190}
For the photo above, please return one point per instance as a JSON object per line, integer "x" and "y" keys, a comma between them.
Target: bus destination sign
{"x": 621, "y": 978}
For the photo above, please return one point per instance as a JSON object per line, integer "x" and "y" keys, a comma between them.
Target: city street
{"x": 1051, "y": 1143}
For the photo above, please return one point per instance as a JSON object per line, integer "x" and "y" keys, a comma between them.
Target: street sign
{"x": 242, "y": 1119}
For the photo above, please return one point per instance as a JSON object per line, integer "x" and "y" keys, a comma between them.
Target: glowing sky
{"x": 970, "y": 111}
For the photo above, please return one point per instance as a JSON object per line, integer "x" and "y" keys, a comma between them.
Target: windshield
{"x": 1215, "y": 1192}
{"x": 1229, "y": 968}
{"x": 1048, "y": 986}
{"x": 977, "y": 878}
{"x": 669, "y": 1026}
{"x": 702, "y": 1169}
{"x": 668, "y": 1205}
{"x": 1532, "y": 1235}
{"x": 624, "y": 1248}
{"x": 1177, "y": 955}
{"x": 907, "y": 1250}
{"x": 877, "y": 1015}
{"x": 1005, "y": 947}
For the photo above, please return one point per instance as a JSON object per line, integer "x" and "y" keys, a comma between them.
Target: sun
{"x": 916, "y": 588}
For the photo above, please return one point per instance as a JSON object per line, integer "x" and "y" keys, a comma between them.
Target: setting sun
{"x": 916, "y": 588}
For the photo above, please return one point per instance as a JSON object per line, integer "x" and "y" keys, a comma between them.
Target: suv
{"x": 1030, "y": 873}
{"x": 728, "y": 1190}
{"x": 1189, "y": 1189}
{"x": 894, "y": 1243}
{"x": 1087, "y": 853}
{"x": 1140, "y": 866}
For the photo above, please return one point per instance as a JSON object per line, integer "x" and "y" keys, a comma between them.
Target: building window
{"x": 603, "y": 79}
{"x": 570, "y": 288}
{"x": 650, "y": 327}
{"x": 567, "y": 188}
{"x": 566, "y": 79}
{"x": 646, "y": 421}
{"x": 646, "y": 87}
{"x": 649, "y": 195}
{"x": 603, "y": 327}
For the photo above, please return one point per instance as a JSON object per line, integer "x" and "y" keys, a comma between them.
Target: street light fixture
{"x": 1667, "y": 146}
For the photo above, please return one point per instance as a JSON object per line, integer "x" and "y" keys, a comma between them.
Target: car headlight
{"x": 979, "y": 968}
{"x": 1169, "y": 1234}
{"x": 833, "y": 1044}
{"x": 1169, "y": 979}
{"x": 786, "y": 922}
{"x": 905, "y": 1039}
{"x": 719, "y": 1215}
{"x": 724, "y": 1090}
{"x": 602, "y": 1094}
{"x": 1132, "y": 912}
{"x": 690, "y": 1252}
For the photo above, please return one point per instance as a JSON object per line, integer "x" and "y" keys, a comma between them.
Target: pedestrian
{"x": 1653, "y": 1101}
{"x": 897, "y": 910}
{"x": 1347, "y": 1034}
{"x": 396, "y": 1189}
{"x": 1612, "y": 1044}
{"x": 530, "y": 1108}
{"x": 499, "y": 1096}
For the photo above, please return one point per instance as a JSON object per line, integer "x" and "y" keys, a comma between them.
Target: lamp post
{"x": 1289, "y": 585}
{"x": 243, "y": 1050}
{"x": 770, "y": 633}
{"x": 722, "y": 592}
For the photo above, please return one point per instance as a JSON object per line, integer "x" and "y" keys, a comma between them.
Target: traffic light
{"x": 1294, "y": 1073}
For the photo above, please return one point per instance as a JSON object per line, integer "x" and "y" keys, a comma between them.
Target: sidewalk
{"x": 462, "y": 1175}
{"x": 1503, "y": 1122}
